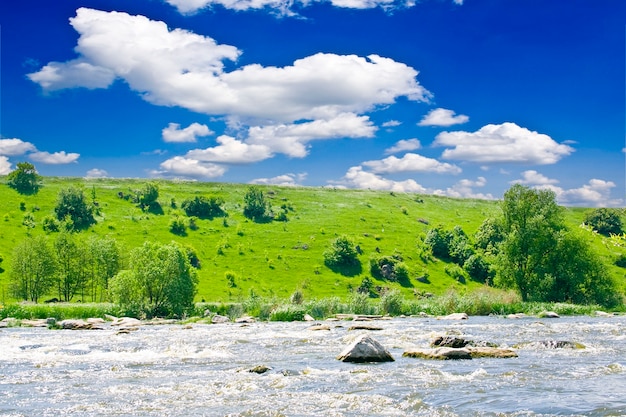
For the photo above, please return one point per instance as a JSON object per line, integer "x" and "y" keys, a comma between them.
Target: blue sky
{"x": 451, "y": 97}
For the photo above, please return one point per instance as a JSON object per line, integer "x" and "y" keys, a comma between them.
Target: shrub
{"x": 24, "y": 179}
{"x": 341, "y": 253}
{"x": 478, "y": 268}
{"x": 178, "y": 226}
{"x": 391, "y": 303}
{"x": 231, "y": 277}
{"x": 605, "y": 221}
{"x": 390, "y": 268}
{"x": 255, "y": 207}
{"x": 72, "y": 208}
{"x": 204, "y": 207}
{"x": 50, "y": 224}
{"x": 297, "y": 297}
{"x": 288, "y": 312}
{"x": 147, "y": 197}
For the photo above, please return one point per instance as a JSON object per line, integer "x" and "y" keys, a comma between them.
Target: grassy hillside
{"x": 274, "y": 259}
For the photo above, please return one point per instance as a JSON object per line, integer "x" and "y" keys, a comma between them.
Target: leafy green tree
{"x": 541, "y": 259}
{"x": 24, "y": 179}
{"x": 342, "y": 256}
{"x": 478, "y": 268}
{"x": 72, "y": 207}
{"x": 148, "y": 196}
{"x": 160, "y": 281}
{"x": 105, "y": 261}
{"x": 489, "y": 235}
{"x": 605, "y": 221}
{"x": 204, "y": 207}
{"x": 255, "y": 206}
{"x": 449, "y": 245}
{"x": 71, "y": 265}
{"x": 33, "y": 269}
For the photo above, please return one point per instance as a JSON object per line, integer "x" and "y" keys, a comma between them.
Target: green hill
{"x": 275, "y": 258}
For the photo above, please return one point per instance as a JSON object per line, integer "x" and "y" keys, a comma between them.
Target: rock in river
{"x": 446, "y": 353}
{"x": 365, "y": 349}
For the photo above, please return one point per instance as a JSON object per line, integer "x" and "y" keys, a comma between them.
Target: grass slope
{"x": 274, "y": 259}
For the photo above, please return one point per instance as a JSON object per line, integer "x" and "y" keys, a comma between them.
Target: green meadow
{"x": 273, "y": 260}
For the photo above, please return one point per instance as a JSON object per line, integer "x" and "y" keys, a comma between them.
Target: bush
{"x": 342, "y": 256}
{"x": 72, "y": 208}
{"x": 391, "y": 303}
{"x": 390, "y": 268}
{"x": 478, "y": 268}
{"x": 288, "y": 312}
{"x": 605, "y": 221}
{"x": 147, "y": 197}
{"x": 24, "y": 179}
{"x": 204, "y": 207}
{"x": 255, "y": 207}
{"x": 178, "y": 226}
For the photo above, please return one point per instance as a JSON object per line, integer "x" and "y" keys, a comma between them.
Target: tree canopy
{"x": 72, "y": 207}
{"x": 543, "y": 260}
{"x": 24, "y": 179}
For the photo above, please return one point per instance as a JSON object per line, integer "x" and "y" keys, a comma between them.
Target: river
{"x": 202, "y": 370}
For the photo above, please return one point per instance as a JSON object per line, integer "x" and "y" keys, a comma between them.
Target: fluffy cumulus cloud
{"x": 286, "y": 7}
{"x": 96, "y": 173}
{"x": 180, "y": 68}
{"x": 173, "y": 132}
{"x": 404, "y": 145}
{"x": 185, "y": 167}
{"x": 443, "y": 117}
{"x": 56, "y": 158}
{"x": 292, "y": 139}
{"x": 15, "y": 147}
{"x": 283, "y": 180}
{"x": 596, "y": 193}
{"x": 503, "y": 143}
{"x": 5, "y": 165}
{"x": 465, "y": 189}
{"x": 411, "y": 162}
{"x": 356, "y": 177}
{"x": 231, "y": 151}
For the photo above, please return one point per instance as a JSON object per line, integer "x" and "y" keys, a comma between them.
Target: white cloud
{"x": 392, "y": 123}
{"x": 532, "y": 177}
{"x": 71, "y": 74}
{"x": 404, "y": 145}
{"x": 96, "y": 173}
{"x": 173, "y": 132}
{"x": 15, "y": 147}
{"x": 285, "y": 7}
{"x": 291, "y": 139}
{"x": 411, "y": 162}
{"x": 179, "y": 166}
{"x": 465, "y": 189}
{"x": 231, "y": 151}
{"x": 506, "y": 142}
{"x": 56, "y": 158}
{"x": 180, "y": 68}
{"x": 283, "y": 180}
{"x": 443, "y": 117}
{"x": 596, "y": 193}
{"x": 357, "y": 178}
{"x": 5, "y": 165}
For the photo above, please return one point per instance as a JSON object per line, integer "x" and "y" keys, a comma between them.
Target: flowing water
{"x": 203, "y": 371}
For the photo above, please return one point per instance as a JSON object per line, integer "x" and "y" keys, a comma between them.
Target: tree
{"x": 605, "y": 221}
{"x": 160, "y": 281}
{"x": 203, "y": 207}
{"x": 33, "y": 269}
{"x": 105, "y": 261}
{"x": 342, "y": 256}
{"x": 71, "y": 265}
{"x": 540, "y": 258}
{"x": 24, "y": 179}
{"x": 148, "y": 196}
{"x": 255, "y": 207}
{"x": 72, "y": 208}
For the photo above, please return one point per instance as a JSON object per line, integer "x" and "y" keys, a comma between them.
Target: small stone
{"x": 259, "y": 369}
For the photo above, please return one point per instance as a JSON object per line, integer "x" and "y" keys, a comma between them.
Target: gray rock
{"x": 365, "y": 349}
{"x": 549, "y": 315}
{"x": 458, "y": 342}
{"x": 454, "y": 316}
{"x": 217, "y": 319}
{"x": 318, "y": 326}
{"x": 365, "y": 326}
{"x": 76, "y": 325}
{"x": 470, "y": 352}
{"x": 259, "y": 369}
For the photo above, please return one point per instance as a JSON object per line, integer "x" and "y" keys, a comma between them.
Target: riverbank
{"x": 480, "y": 303}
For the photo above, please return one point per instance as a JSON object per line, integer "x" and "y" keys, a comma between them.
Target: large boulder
{"x": 365, "y": 349}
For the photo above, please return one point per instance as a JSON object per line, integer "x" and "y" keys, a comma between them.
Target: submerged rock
{"x": 77, "y": 325}
{"x": 365, "y": 349}
{"x": 458, "y": 342}
{"x": 259, "y": 369}
{"x": 552, "y": 344}
{"x": 469, "y": 352}
{"x": 319, "y": 326}
{"x": 245, "y": 320}
{"x": 365, "y": 326}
